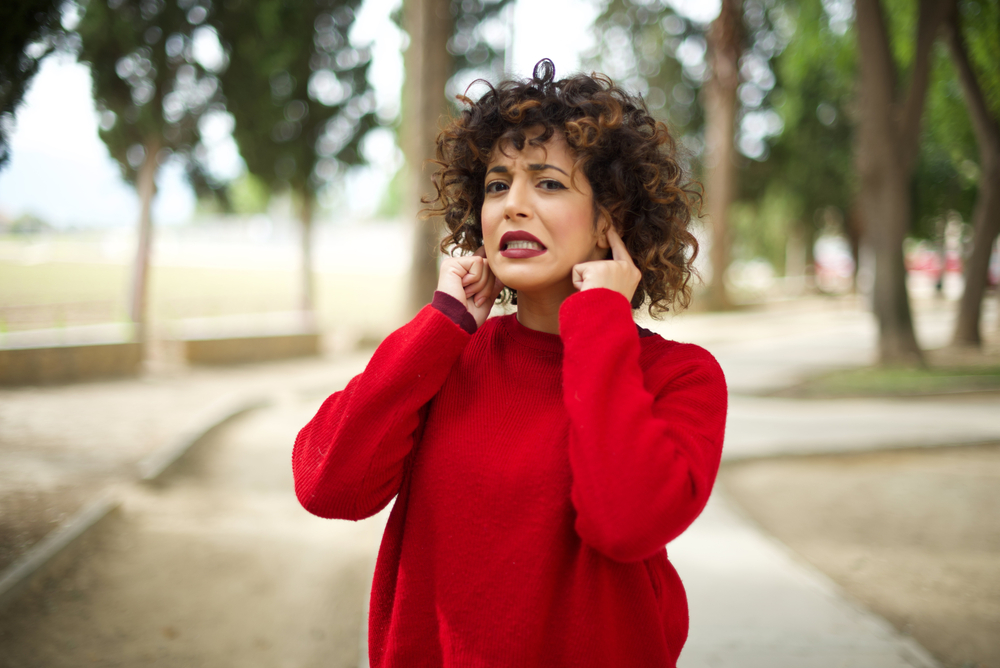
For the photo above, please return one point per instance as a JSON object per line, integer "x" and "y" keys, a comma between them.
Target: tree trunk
{"x": 428, "y": 67}
{"x": 886, "y": 150}
{"x": 854, "y": 226}
{"x": 307, "y": 301}
{"x": 139, "y": 288}
{"x": 725, "y": 40}
{"x": 986, "y": 215}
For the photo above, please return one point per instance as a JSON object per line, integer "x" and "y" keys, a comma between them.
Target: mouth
{"x": 520, "y": 244}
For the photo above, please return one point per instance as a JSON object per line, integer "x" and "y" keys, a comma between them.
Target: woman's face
{"x": 537, "y": 221}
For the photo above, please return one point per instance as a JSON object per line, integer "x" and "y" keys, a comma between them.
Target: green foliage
{"x": 979, "y": 21}
{"x": 762, "y": 226}
{"x": 810, "y": 161}
{"x": 797, "y": 75}
{"x": 479, "y": 42}
{"x": 248, "y": 194}
{"x": 297, "y": 88}
{"x": 391, "y": 205}
{"x": 29, "y": 223}
{"x": 650, "y": 48}
{"x": 643, "y": 46}
{"x": 149, "y": 86}
{"x": 29, "y": 30}
{"x": 810, "y": 48}
{"x": 946, "y": 175}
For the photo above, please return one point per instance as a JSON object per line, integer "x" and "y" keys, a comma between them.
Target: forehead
{"x": 554, "y": 151}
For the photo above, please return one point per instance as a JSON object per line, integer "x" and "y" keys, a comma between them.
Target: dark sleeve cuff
{"x": 455, "y": 310}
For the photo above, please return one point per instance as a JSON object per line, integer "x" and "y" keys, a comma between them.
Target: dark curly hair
{"x": 629, "y": 158}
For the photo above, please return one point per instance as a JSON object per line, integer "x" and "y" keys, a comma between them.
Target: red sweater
{"x": 539, "y": 477}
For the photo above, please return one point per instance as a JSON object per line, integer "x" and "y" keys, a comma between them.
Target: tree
{"x": 808, "y": 165}
{"x": 886, "y": 150}
{"x": 152, "y": 89}
{"x": 725, "y": 45}
{"x": 29, "y": 31}
{"x": 428, "y": 65}
{"x": 944, "y": 181}
{"x": 299, "y": 93}
{"x": 675, "y": 61}
{"x": 981, "y": 87}
{"x": 446, "y": 37}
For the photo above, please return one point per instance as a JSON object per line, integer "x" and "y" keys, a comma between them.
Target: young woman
{"x": 540, "y": 461}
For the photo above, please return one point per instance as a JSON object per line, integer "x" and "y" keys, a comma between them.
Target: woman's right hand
{"x": 470, "y": 280}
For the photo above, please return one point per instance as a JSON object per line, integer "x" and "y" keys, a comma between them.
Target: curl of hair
{"x": 629, "y": 158}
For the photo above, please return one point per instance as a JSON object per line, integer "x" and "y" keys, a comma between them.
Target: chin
{"x": 517, "y": 279}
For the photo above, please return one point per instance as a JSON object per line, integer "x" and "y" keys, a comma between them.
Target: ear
{"x": 603, "y": 223}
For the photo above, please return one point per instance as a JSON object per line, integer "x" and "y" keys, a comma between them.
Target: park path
{"x": 215, "y": 565}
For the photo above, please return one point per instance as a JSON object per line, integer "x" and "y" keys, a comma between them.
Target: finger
{"x": 490, "y": 296}
{"x": 483, "y": 283}
{"x": 473, "y": 268}
{"x": 579, "y": 275}
{"x": 618, "y": 249}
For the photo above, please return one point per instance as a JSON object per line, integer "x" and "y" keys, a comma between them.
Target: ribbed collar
{"x": 543, "y": 340}
{"x": 531, "y": 337}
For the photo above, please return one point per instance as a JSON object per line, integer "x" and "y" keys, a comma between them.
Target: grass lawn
{"x": 54, "y": 294}
{"x": 900, "y": 382}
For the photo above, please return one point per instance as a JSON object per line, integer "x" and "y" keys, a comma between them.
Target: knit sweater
{"x": 537, "y": 478}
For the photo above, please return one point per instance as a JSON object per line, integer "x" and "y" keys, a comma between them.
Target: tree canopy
{"x": 297, "y": 88}
{"x": 154, "y": 76}
{"x": 29, "y": 31}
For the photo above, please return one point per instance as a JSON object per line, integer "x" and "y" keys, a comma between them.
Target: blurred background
{"x": 209, "y": 206}
{"x": 270, "y": 154}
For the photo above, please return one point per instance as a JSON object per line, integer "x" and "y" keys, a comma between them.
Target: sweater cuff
{"x": 455, "y": 310}
{"x": 581, "y": 311}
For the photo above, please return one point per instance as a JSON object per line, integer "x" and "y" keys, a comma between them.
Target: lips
{"x": 520, "y": 244}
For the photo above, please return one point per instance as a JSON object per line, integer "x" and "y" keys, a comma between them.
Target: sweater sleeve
{"x": 348, "y": 460}
{"x": 644, "y": 448}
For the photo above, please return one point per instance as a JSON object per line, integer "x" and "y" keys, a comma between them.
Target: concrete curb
{"x": 909, "y": 649}
{"x": 214, "y": 415}
{"x": 34, "y": 562}
{"x": 880, "y": 448}
{"x": 37, "y": 560}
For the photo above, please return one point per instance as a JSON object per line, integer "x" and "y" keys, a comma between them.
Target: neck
{"x": 540, "y": 310}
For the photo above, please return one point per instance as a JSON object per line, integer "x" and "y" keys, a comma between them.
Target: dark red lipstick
{"x": 527, "y": 245}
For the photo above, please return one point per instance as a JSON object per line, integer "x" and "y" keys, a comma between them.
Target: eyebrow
{"x": 531, "y": 168}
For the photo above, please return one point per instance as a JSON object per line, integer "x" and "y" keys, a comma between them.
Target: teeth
{"x": 517, "y": 245}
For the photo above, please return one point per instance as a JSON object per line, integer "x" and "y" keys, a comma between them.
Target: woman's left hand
{"x": 619, "y": 273}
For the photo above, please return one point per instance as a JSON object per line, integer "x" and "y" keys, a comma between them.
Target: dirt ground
{"x": 912, "y": 535}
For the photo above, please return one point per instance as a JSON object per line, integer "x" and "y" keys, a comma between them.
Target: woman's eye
{"x": 495, "y": 186}
{"x": 551, "y": 184}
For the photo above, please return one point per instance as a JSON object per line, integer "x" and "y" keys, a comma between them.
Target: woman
{"x": 542, "y": 460}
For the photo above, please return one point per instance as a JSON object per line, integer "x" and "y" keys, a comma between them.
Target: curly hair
{"x": 629, "y": 158}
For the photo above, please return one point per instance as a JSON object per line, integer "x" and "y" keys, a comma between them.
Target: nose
{"x": 517, "y": 201}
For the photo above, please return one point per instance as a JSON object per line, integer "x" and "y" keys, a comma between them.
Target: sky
{"x": 61, "y": 172}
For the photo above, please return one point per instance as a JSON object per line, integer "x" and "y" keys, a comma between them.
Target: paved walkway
{"x": 61, "y": 446}
{"x": 752, "y": 602}
{"x": 216, "y": 565}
